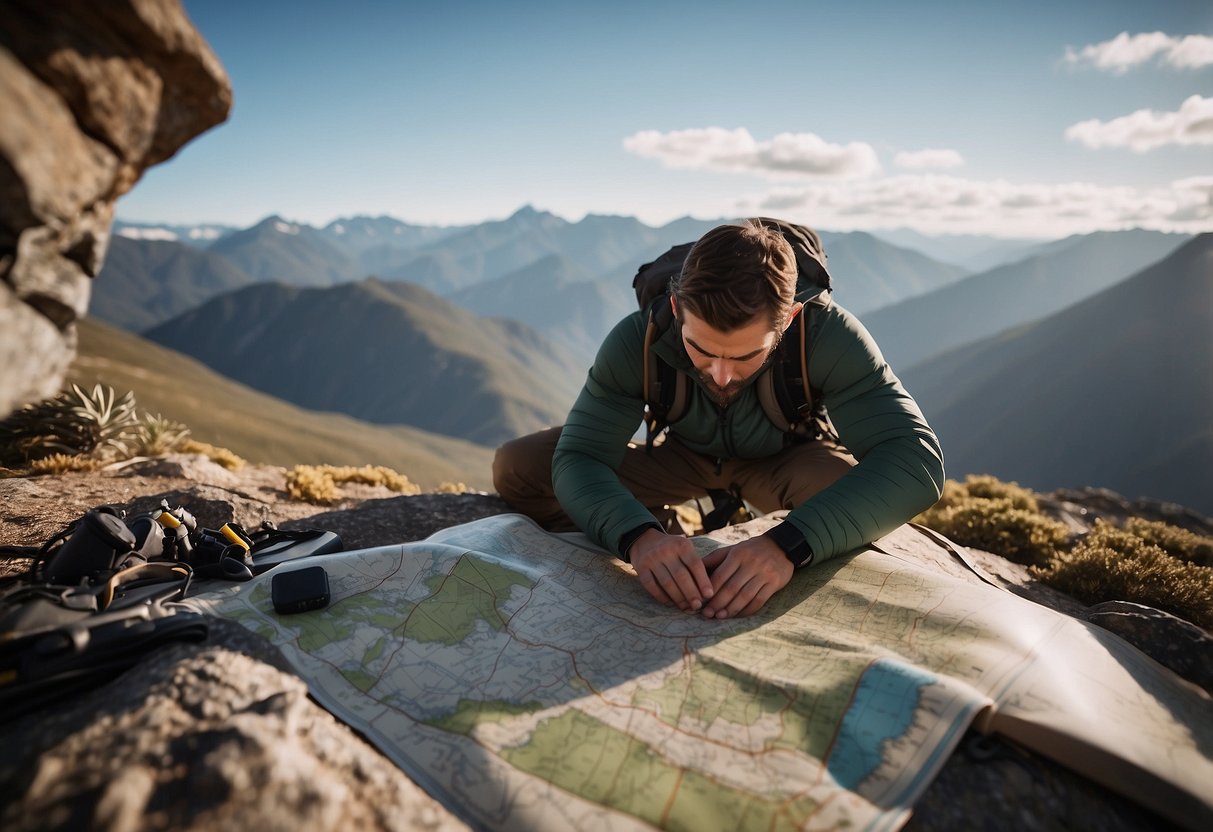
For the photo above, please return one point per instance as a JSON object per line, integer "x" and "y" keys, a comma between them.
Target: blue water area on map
{"x": 881, "y": 710}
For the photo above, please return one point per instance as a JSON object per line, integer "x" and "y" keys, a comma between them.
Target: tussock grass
{"x": 998, "y": 517}
{"x": 311, "y": 485}
{"x": 1147, "y": 562}
{"x": 319, "y": 483}
{"x": 220, "y": 456}
{"x": 62, "y": 464}
{"x": 1176, "y": 542}
{"x": 1120, "y": 564}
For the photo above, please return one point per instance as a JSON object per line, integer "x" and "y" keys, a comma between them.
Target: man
{"x": 732, "y": 302}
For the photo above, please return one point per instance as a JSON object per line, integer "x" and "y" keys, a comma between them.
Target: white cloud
{"x": 927, "y": 159}
{"x": 1125, "y": 51}
{"x": 1145, "y": 129}
{"x": 736, "y": 151}
{"x": 936, "y": 203}
{"x": 1193, "y": 52}
{"x": 1195, "y": 196}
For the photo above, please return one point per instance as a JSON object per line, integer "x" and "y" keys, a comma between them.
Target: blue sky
{"x": 1043, "y": 118}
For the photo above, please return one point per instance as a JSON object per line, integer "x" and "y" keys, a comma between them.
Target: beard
{"x": 721, "y": 395}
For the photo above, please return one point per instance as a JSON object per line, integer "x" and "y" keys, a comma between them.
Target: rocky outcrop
{"x": 1170, "y": 641}
{"x": 199, "y": 736}
{"x": 92, "y": 95}
{"x": 245, "y": 747}
{"x": 1079, "y": 508}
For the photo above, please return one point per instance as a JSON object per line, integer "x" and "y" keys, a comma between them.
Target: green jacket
{"x": 900, "y": 470}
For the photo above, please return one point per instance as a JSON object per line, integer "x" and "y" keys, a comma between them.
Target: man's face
{"x": 726, "y": 360}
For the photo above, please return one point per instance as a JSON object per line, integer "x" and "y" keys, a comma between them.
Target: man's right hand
{"x": 670, "y": 570}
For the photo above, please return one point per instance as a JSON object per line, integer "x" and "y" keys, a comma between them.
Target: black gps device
{"x": 300, "y": 590}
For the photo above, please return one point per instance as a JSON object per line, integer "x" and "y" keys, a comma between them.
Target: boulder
{"x": 92, "y": 94}
{"x": 1168, "y": 639}
{"x": 219, "y": 735}
{"x": 1079, "y": 508}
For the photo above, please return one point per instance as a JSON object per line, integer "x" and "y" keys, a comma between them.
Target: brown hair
{"x": 736, "y": 272}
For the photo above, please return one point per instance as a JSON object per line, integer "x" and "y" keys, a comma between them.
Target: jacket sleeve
{"x": 900, "y": 470}
{"x": 595, "y": 436}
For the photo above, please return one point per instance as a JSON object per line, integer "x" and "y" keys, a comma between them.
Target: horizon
{"x": 987, "y": 121}
{"x": 151, "y": 224}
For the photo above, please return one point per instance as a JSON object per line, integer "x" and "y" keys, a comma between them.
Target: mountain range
{"x": 389, "y": 353}
{"x": 485, "y": 332}
{"x": 557, "y": 297}
{"x": 974, "y": 252}
{"x": 259, "y": 427}
{"x": 452, "y": 260}
{"x": 145, "y": 282}
{"x": 1115, "y": 391}
{"x": 287, "y": 252}
{"x": 869, "y": 273}
{"x": 1060, "y": 274}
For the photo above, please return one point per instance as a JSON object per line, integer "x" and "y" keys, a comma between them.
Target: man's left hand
{"x": 745, "y": 576}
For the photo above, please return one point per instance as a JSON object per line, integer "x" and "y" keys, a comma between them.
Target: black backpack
{"x": 783, "y": 389}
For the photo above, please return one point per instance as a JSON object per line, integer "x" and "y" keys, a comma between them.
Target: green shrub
{"x": 986, "y": 487}
{"x": 998, "y": 517}
{"x": 311, "y": 484}
{"x": 1177, "y": 542}
{"x": 373, "y": 475}
{"x": 318, "y": 483}
{"x": 1112, "y": 564}
{"x": 62, "y": 464}
{"x": 220, "y": 456}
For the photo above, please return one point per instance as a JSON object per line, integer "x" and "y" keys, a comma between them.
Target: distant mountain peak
{"x": 278, "y": 224}
{"x": 530, "y": 214}
{"x": 198, "y": 235}
{"x": 139, "y": 233}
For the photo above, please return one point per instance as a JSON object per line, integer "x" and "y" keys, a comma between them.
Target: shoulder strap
{"x": 784, "y": 390}
{"x": 665, "y": 387}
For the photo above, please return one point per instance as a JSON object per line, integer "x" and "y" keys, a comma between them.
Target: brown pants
{"x": 672, "y": 474}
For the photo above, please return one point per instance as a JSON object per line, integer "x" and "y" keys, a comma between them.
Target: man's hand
{"x": 670, "y": 570}
{"x": 745, "y": 576}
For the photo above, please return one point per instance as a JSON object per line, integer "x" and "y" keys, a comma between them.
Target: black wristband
{"x": 629, "y": 538}
{"x": 788, "y": 538}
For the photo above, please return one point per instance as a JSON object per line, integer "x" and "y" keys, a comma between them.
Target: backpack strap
{"x": 783, "y": 389}
{"x": 665, "y": 388}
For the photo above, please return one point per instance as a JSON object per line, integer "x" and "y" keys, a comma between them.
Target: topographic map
{"x": 528, "y": 681}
